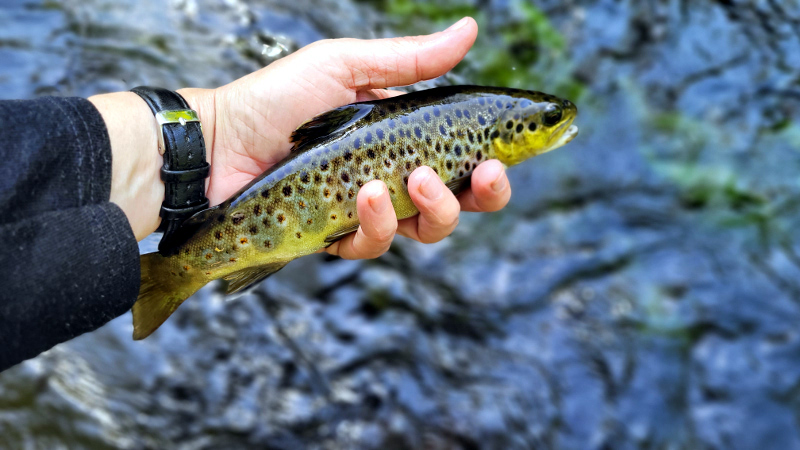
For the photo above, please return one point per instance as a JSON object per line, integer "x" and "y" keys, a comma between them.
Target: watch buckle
{"x": 181, "y": 116}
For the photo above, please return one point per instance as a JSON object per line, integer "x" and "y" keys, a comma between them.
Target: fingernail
{"x": 428, "y": 186}
{"x": 457, "y": 25}
{"x": 377, "y": 201}
{"x": 500, "y": 183}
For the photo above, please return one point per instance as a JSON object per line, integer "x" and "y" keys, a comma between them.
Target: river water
{"x": 640, "y": 291}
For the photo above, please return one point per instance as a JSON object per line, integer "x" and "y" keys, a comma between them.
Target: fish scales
{"x": 309, "y": 199}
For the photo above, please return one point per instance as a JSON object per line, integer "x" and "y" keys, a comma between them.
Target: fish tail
{"x": 160, "y": 294}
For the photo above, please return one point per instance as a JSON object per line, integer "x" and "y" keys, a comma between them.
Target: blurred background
{"x": 640, "y": 291}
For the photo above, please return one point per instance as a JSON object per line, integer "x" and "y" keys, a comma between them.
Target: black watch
{"x": 185, "y": 168}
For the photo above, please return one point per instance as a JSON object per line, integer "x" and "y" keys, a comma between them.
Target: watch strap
{"x": 185, "y": 167}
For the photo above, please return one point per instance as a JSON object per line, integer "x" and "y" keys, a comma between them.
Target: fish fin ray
{"x": 246, "y": 278}
{"x": 459, "y": 185}
{"x": 328, "y": 125}
{"x": 330, "y": 239}
{"x": 160, "y": 294}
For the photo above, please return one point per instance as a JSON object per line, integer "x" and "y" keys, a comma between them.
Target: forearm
{"x": 136, "y": 186}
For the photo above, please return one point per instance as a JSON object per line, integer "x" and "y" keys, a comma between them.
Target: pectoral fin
{"x": 340, "y": 234}
{"x": 459, "y": 185}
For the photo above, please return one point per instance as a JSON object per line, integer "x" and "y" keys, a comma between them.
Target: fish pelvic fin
{"x": 160, "y": 294}
{"x": 247, "y": 278}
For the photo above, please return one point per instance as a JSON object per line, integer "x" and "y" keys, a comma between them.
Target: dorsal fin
{"x": 188, "y": 229}
{"x": 328, "y": 125}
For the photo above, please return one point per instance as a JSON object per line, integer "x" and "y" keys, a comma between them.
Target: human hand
{"x": 255, "y": 115}
{"x": 247, "y": 124}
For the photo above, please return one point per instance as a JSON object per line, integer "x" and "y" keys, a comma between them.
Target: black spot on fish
{"x": 391, "y": 107}
{"x": 350, "y": 194}
{"x": 218, "y": 234}
{"x": 326, "y": 192}
{"x": 486, "y": 133}
{"x": 391, "y": 138}
{"x": 350, "y": 214}
{"x": 367, "y": 169}
{"x": 425, "y": 152}
{"x": 495, "y": 134}
{"x": 470, "y": 136}
{"x": 426, "y": 117}
{"x": 457, "y": 149}
{"x": 467, "y": 166}
{"x": 519, "y": 128}
{"x": 379, "y": 133}
{"x": 268, "y": 244}
{"x": 447, "y": 147}
{"x": 478, "y": 155}
{"x": 357, "y": 143}
{"x": 418, "y": 132}
{"x": 359, "y": 183}
{"x": 428, "y": 140}
{"x": 304, "y": 177}
{"x": 401, "y": 152}
{"x": 408, "y": 165}
{"x": 418, "y": 162}
{"x": 270, "y": 210}
{"x": 339, "y": 197}
{"x": 392, "y": 155}
{"x": 436, "y": 111}
{"x": 371, "y": 153}
{"x": 345, "y": 177}
{"x": 481, "y": 120}
{"x": 237, "y": 218}
{"x": 287, "y": 191}
{"x": 323, "y": 165}
{"x": 410, "y": 150}
{"x": 333, "y": 216}
{"x": 281, "y": 218}
{"x": 449, "y": 164}
{"x": 221, "y": 218}
{"x": 532, "y": 126}
{"x": 460, "y": 173}
{"x": 509, "y": 124}
{"x": 309, "y": 221}
{"x": 387, "y": 163}
{"x": 317, "y": 178}
{"x": 405, "y": 178}
{"x": 329, "y": 179}
{"x": 480, "y": 137}
{"x": 438, "y": 147}
{"x": 265, "y": 193}
{"x": 348, "y": 156}
{"x": 299, "y": 236}
{"x": 257, "y": 209}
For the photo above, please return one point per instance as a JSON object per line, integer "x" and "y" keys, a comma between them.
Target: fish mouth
{"x": 563, "y": 135}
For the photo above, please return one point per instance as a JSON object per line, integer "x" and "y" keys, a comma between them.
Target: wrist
{"x": 136, "y": 185}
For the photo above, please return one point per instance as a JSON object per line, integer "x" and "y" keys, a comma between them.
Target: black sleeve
{"x": 69, "y": 262}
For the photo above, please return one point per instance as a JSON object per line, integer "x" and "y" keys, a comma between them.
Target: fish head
{"x": 535, "y": 123}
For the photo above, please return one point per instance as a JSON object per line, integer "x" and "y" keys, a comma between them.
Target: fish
{"x": 307, "y": 201}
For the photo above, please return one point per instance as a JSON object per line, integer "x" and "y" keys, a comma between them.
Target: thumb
{"x": 381, "y": 63}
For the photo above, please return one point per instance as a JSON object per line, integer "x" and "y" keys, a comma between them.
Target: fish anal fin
{"x": 328, "y": 125}
{"x": 459, "y": 185}
{"x": 330, "y": 239}
{"x": 245, "y": 278}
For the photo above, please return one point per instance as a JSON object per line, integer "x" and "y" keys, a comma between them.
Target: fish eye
{"x": 552, "y": 114}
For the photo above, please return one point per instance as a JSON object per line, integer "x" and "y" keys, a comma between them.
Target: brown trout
{"x": 308, "y": 200}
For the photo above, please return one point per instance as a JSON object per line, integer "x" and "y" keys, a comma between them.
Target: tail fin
{"x": 160, "y": 294}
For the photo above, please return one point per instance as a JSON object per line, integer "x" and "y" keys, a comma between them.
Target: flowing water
{"x": 640, "y": 291}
